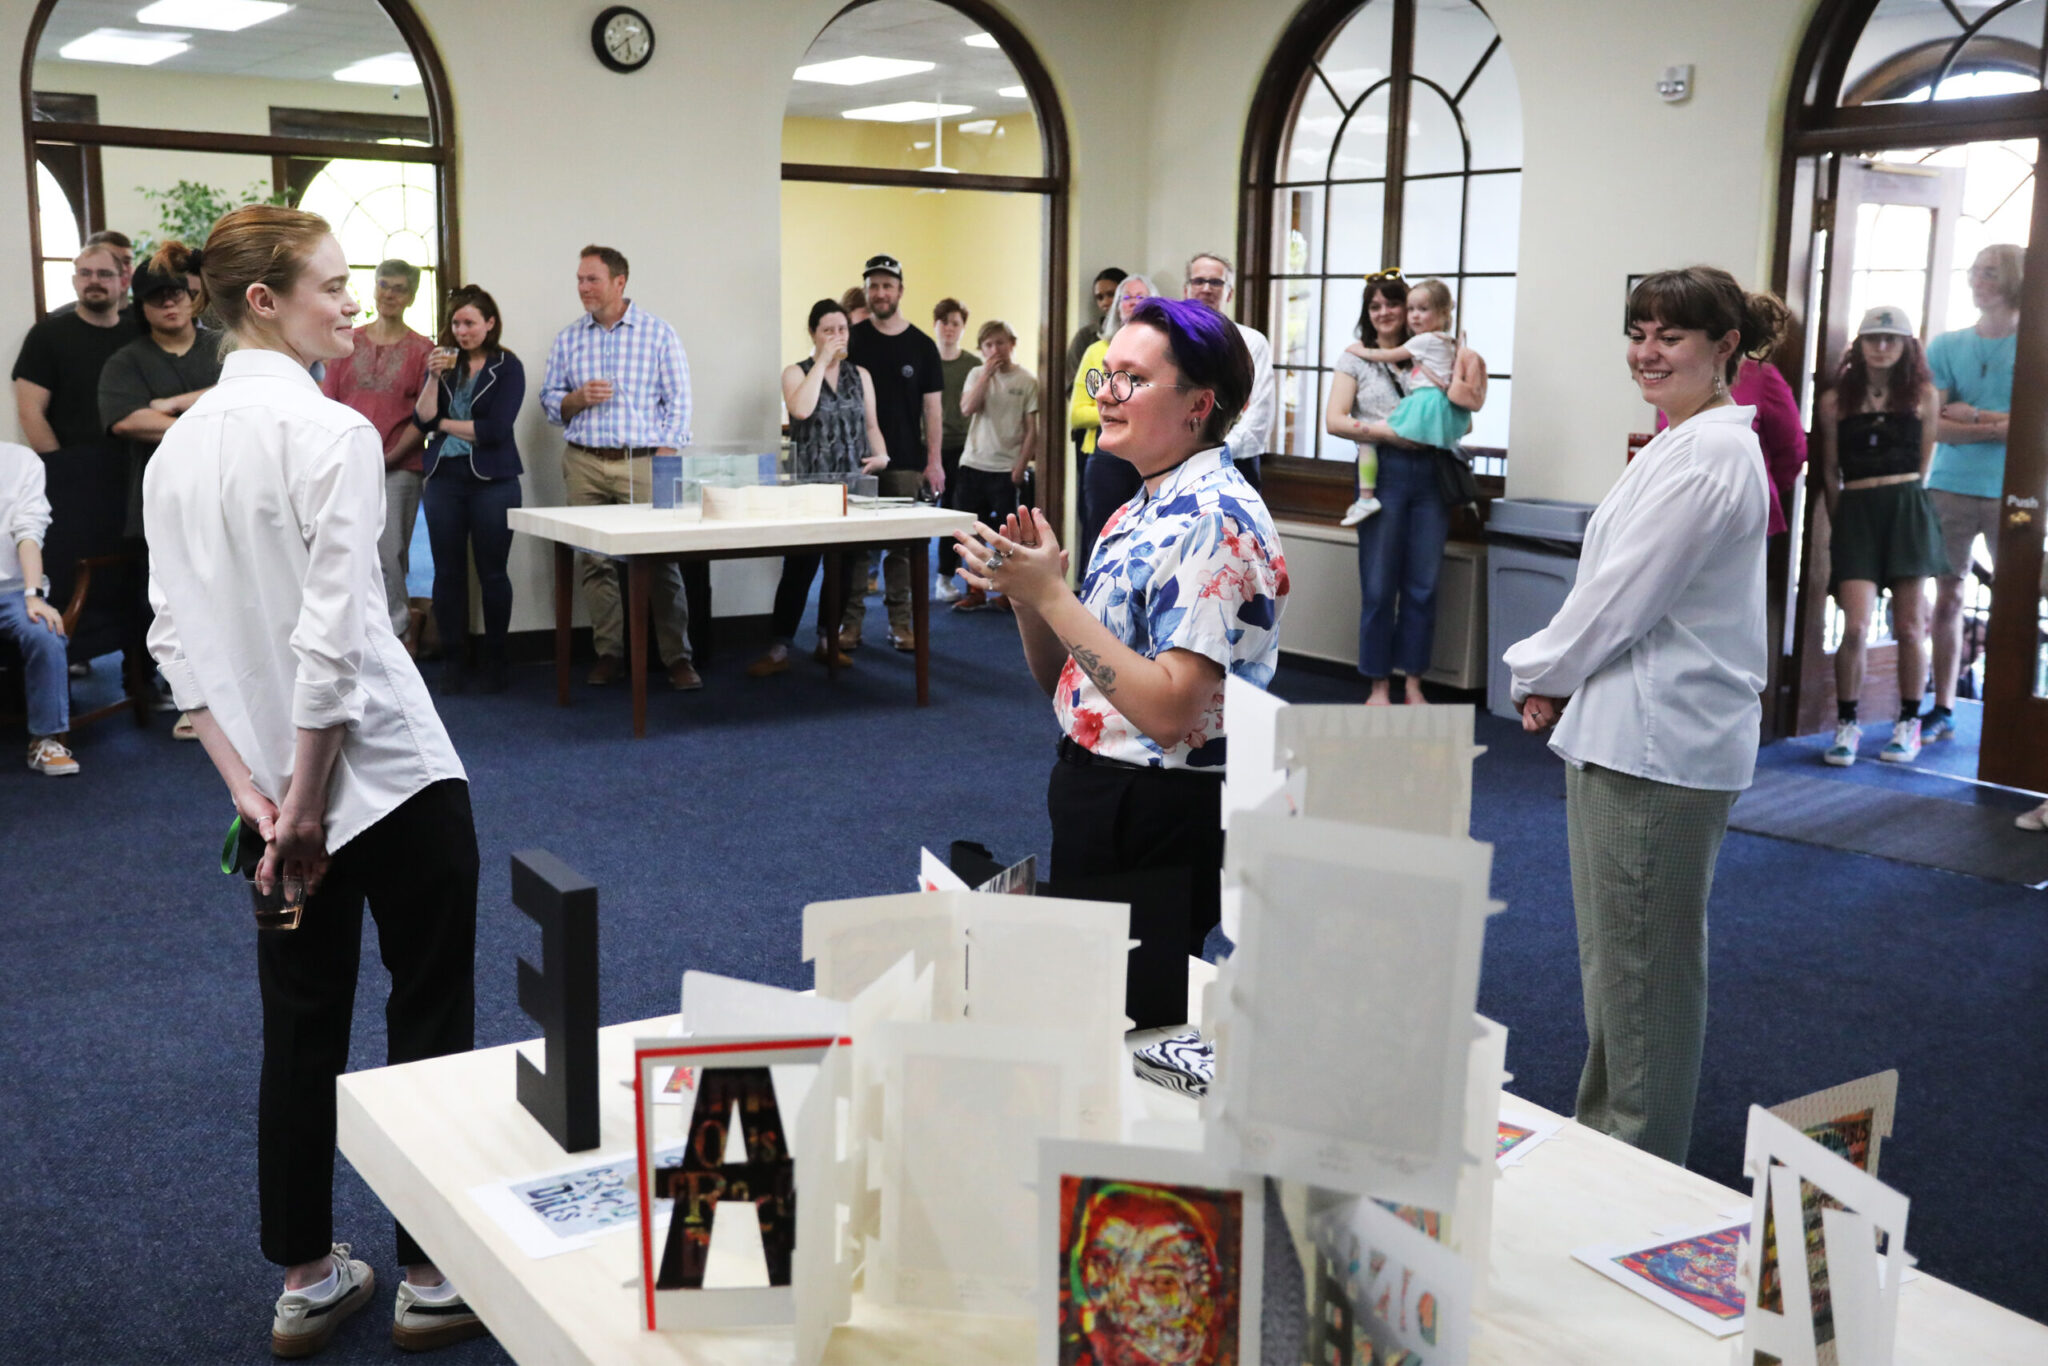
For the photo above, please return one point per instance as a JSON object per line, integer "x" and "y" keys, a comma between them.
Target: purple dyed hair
{"x": 1208, "y": 351}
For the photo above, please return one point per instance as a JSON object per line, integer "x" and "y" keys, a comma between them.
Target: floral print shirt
{"x": 1196, "y": 566}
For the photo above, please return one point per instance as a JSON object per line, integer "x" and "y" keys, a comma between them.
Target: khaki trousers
{"x": 394, "y": 543}
{"x": 592, "y": 482}
{"x": 1643, "y": 855}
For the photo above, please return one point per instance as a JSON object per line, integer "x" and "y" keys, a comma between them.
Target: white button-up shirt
{"x": 1252, "y": 433}
{"x": 262, "y": 509}
{"x": 1661, "y": 644}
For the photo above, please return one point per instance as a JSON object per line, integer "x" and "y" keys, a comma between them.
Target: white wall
{"x": 678, "y": 167}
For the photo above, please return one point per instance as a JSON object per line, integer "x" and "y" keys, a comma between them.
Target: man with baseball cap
{"x": 904, "y": 364}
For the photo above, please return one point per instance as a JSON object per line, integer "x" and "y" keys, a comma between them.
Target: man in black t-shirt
{"x": 904, "y": 364}
{"x": 57, "y": 374}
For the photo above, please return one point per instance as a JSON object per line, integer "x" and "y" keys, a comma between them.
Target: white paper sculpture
{"x": 1255, "y": 775}
{"x": 1817, "y": 1289}
{"x": 1400, "y": 768}
{"x": 750, "y": 1147}
{"x": 1027, "y": 962}
{"x": 1147, "y": 1255}
{"x": 964, "y": 1108}
{"x": 1381, "y": 1288}
{"x": 1365, "y": 942}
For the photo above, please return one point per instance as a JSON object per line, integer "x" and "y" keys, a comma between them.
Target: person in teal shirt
{"x": 1972, "y": 368}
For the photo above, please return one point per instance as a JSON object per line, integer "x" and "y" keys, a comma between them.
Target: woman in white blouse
{"x": 1650, "y": 673}
{"x": 262, "y": 509}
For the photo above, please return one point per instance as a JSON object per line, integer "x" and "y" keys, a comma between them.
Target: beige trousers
{"x": 394, "y": 543}
{"x": 592, "y": 482}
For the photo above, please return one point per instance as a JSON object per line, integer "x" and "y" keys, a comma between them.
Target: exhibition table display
{"x": 943, "y": 1154}
{"x": 642, "y": 535}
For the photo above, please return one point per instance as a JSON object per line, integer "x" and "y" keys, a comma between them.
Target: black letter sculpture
{"x": 767, "y": 1179}
{"x": 563, "y": 997}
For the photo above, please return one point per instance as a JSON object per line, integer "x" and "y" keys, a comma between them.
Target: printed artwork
{"x": 1699, "y": 1270}
{"x": 1370, "y": 1309}
{"x": 1510, "y": 1137}
{"x": 579, "y": 1203}
{"x": 767, "y": 1179}
{"x": 1149, "y": 1275}
{"x": 1427, "y": 1220}
{"x": 1847, "y": 1136}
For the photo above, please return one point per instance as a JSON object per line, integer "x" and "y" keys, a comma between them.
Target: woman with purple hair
{"x": 1185, "y": 589}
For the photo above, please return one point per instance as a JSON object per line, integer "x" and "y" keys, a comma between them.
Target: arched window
{"x": 1911, "y": 140}
{"x": 187, "y": 120}
{"x": 1387, "y": 133}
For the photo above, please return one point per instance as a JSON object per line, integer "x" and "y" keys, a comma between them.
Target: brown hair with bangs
{"x": 478, "y": 298}
{"x": 1707, "y": 299}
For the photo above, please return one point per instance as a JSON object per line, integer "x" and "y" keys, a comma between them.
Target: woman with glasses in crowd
{"x": 471, "y": 400}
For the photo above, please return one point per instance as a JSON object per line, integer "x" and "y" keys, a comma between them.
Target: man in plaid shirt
{"x": 618, "y": 380}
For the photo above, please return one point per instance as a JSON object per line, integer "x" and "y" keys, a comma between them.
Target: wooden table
{"x": 422, "y": 1134}
{"x": 644, "y": 536}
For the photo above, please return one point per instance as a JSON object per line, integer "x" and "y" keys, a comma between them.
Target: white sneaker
{"x": 304, "y": 1324}
{"x": 47, "y": 756}
{"x": 1842, "y": 752}
{"x": 1360, "y": 509}
{"x": 944, "y": 589}
{"x": 419, "y": 1324}
{"x": 1904, "y": 746}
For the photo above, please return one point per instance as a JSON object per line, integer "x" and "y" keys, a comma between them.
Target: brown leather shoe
{"x": 906, "y": 641}
{"x": 682, "y": 676}
{"x": 775, "y": 661}
{"x": 973, "y": 600}
{"x": 849, "y": 638}
{"x": 608, "y": 669}
{"x": 838, "y": 658}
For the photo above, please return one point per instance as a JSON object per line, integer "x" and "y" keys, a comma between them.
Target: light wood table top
{"x": 638, "y": 529}
{"x": 424, "y": 1133}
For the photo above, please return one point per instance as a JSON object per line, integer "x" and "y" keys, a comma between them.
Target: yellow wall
{"x": 1010, "y": 148}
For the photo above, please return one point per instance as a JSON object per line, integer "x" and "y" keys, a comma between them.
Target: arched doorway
{"x": 1910, "y": 142}
{"x": 146, "y": 127}
{"x": 956, "y": 132}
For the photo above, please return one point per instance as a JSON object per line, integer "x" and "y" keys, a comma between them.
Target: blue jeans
{"x": 44, "y": 665}
{"x": 1400, "y": 551}
{"x": 466, "y": 515}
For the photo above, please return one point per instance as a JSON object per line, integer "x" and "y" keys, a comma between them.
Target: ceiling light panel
{"x": 393, "y": 68}
{"x": 860, "y": 70}
{"x": 981, "y": 40}
{"x": 1011, "y": 92}
{"x": 907, "y": 111}
{"x": 221, "y": 16}
{"x": 125, "y": 46}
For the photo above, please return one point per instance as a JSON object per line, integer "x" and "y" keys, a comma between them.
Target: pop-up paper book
{"x": 996, "y": 959}
{"x": 1368, "y": 939}
{"x": 1383, "y": 1291}
{"x": 900, "y": 994}
{"x": 758, "y": 1161}
{"x": 964, "y": 1106}
{"x": 1146, "y": 1255}
{"x": 1400, "y": 768}
{"x": 1819, "y": 1290}
{"x": 1255, "y": 779}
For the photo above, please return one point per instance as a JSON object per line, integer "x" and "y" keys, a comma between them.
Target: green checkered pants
{"x": 1642, "y": 866}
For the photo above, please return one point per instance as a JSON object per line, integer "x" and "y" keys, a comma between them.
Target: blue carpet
{"x": 131, "y": 1016}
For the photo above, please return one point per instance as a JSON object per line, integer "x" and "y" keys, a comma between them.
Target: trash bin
{"x": 1532, "y": 561}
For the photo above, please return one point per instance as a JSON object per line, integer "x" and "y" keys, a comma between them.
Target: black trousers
{"x": 1110, "y": 818}
{"x": 989, "y": 495}
{"x": 1107, "y": 483}
{"x": 793, "y": 590}
{"x": 418, "y": 870}
{"x": 949, "y": 551}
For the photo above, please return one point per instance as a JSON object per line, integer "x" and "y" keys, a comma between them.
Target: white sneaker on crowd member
{"x": 47, "y": 756}
{"x": 430, "y": 1316}
{"x": 307, "y": 1318}
{"x": 1842, "y": 752}
{"x": 2037, "y": 819}
{"x": 946, "y": 589}
{"x": 1904, "y": 746}
{"x": 1360, "y": 509}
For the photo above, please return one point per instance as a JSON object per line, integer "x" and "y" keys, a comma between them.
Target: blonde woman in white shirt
{"x": 1654, "y": 665}
{"x": 262, "y": 509}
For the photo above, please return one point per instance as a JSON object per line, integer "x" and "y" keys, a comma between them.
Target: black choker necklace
{"x": 1176, "y": 464}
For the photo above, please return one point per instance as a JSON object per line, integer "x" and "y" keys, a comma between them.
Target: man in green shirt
{"x": 949, "y": 320}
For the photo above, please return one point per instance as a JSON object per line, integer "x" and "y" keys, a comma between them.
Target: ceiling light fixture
{"x": 860, "y": 70}
{"x": 1011, "y": 92}
{"x": 981, "y": 40}
{"x": 907, "y": 111}
{"x": 393, "y": 68}
{"x": 125, "y": 46}
{"x": 221, "y": 16}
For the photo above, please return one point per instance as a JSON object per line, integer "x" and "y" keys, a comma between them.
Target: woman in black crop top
{"x": 1876, "y": 428}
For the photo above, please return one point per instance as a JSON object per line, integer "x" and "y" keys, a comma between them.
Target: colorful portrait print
{"x": 1149, "y": 1274}
{"x": 1700, "y": 1271}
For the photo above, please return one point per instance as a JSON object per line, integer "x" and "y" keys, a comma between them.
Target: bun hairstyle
{"x": 171, "y": 265}
{"x": 1208, "y": 351}
{"x": 1707, "y": 299}
{"x": 255, "y": 244}
{"x": 478, "y": 298}
{"x": 823, "y": 309}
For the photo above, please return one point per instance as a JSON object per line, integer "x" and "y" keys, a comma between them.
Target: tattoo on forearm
{"x": 1092, "y": 664}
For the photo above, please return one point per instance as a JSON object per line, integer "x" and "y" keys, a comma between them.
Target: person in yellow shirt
{"x": 1106, "y": 483}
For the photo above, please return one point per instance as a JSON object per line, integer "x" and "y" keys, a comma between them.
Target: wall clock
{"x": 622, "y": 38}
